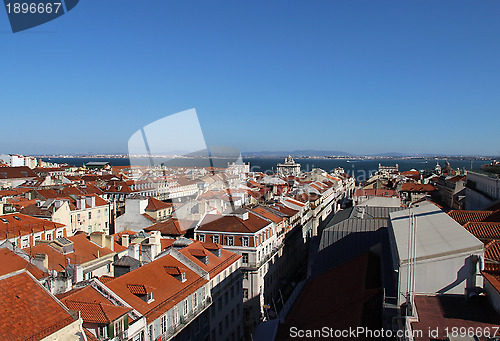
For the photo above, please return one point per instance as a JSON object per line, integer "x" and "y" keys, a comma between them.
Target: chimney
{"x": 98, "y": 238}
{"x": 125, "y": 240}
{"x": 133, "y": 251}
{"x": 41, "y": 261}
{"x": 154, "y": 241}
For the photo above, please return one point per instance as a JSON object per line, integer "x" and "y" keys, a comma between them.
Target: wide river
{"x": 359, "y": 168}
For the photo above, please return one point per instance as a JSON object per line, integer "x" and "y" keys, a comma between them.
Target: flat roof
{"x": 437, "y": 234}
{"x": 437, "y": 313}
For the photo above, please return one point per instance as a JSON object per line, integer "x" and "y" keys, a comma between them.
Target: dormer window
{"x": 201, "y": 255}
{"x": 230, "y": 241}
{"x": 150, "y": 297}
{"x": 141, "y": 291}
{"x": 215, "y": 239}
{"x": 176, "y": 272}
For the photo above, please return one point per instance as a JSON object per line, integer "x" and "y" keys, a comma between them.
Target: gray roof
{"x": 437, "y": 234}
{"x": 97, "y": 163}
{"x": 127, "y": 261}
{"x": 362, "y": 212}
{"x": 336, "y": 232}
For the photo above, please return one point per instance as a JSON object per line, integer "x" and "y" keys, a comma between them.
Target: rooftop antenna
{"x": 410, "y": 283}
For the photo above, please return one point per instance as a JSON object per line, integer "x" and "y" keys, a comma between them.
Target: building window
{"x": 176, "y": 315}
{"x": 244, "y": 241}
{"x": 195, "y": 299}
{"x": 245, "y": 275}
{"x": 163, "y": 324}
{"x": 48, "y": 236}
{"x": 215, "y": 239}
{"x": 101, "y": 332}
{"x": 201, "y": 237}
{"x": 119, "y": 328}
{"x": 25, "y": 242}
{"x": 90, "y": 215}
{"x": 230, "y": 241}
{"x": 98, "y": 213}
{"x": 185, "y": 308}
{"x": 151, "y": 332}
{"x": 244, "y": 258}
{"x": 59, "y": 234}
{"x": 245, "y": 293}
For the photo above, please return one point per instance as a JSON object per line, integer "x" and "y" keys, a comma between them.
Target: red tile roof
{"x": 105, "y": 279}
{"x": 464, "y": 216}
{"x": 155, "y": 204}
{"x": 453, "y": 311}
{"x": 230, "y": 223}
{"x": 413, "y": 187}
{"x": 215, "y": 264}
{"x": 94, "y": 307}
{"x": 339, "y": 304}
{"x": 484, "y": 230}
{"x": 17, "y": 173}
{"x": 167, "y": 290}
{"x": 377, "y": 192}
{"x": 9, "y": 262}
{"x": 18, "y": 224}
{"x": 267, "y": 214}
{"x": 169, "y": 227}
{"x": 84, "y": 251}
{"x": 492, "y": 255}
{"x": 27, "y": 310}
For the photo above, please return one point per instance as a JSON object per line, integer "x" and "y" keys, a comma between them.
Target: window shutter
{"x": 111, "y": 331}
{"x": 125, "y": 322}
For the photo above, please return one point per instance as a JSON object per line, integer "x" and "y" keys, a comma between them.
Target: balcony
{"x": 185, "y": 320}
{"x": 256, "y": 265}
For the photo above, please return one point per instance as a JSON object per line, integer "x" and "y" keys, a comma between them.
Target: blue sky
{"x": 357, "y": 76}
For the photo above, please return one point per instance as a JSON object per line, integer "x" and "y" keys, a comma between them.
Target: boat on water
{"x": 493, "y": 167}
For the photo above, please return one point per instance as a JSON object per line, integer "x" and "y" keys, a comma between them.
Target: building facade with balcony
{"x": 255, "y": 239}
{"x": 170, "y": 295}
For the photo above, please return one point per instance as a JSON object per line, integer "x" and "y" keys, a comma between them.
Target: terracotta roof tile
{"x": 14, "y": 225}
{"x": 464, "y": 216}
{"x": 27, "y": 310}
{"x": 484, "y": 230}
{"x": 84, "y": 251}
{"x": 167, "y": 290}
{"x": 94, "y": 307}
{"x": 492, "y": 255}
{"x": 413, "y": 187}
{"x": 231, "y": 223}
{"x": 9, "y": 262}
{"x": 215, "y": 265}
{"x": 155, "y": 204}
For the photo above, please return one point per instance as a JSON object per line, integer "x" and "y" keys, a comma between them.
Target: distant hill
{"x": 295, "y": 153}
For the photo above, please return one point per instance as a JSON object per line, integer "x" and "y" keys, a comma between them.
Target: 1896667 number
{"x": 33, "y": 8}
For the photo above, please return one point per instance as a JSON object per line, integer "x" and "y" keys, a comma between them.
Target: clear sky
{"x": 356, "y": 76}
